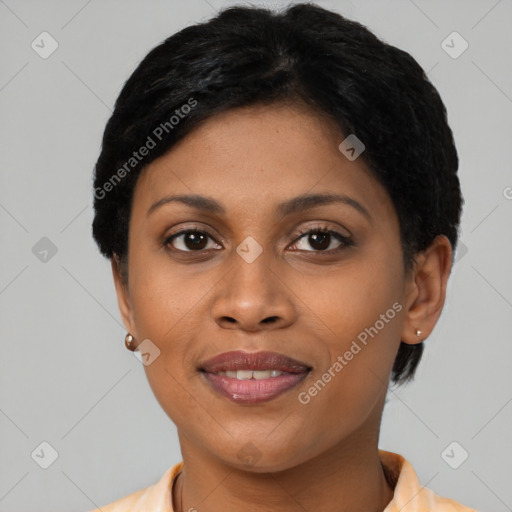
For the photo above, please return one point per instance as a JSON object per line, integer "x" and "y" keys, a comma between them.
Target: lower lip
{"x": 253, "y": 391}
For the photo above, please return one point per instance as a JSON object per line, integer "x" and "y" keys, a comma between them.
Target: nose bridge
{"x": 254, "y": 271}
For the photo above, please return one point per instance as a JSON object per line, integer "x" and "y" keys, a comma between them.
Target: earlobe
{"x": 427, "y": 290}
{"x": 123, "y": 296}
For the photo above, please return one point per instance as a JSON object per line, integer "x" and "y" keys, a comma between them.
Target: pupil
{"x": 324, "y": 237}
{"x": 195, "y": 239}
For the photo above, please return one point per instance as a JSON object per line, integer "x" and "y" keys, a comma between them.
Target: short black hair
{"x": 305, "y": 55}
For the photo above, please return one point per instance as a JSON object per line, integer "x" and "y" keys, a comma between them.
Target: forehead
{"x": 250, "y": 156}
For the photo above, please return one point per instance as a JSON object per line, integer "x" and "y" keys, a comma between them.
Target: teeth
{"x": 251, "y": 374}
{"x": 244, "y": 374}
{"x": 261, "y": 374}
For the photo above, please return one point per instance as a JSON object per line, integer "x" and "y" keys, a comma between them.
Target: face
{"x": 244, "y": 276}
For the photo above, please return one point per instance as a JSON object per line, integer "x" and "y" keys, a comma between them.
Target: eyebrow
{"x": 296, "y": 204}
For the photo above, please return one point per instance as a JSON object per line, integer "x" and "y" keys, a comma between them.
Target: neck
{"x": 348, "y": 477}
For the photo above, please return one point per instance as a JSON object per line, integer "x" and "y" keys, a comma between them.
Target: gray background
{"x": 65, "y": 376}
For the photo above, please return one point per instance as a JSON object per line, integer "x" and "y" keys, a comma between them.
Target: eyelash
{"x": 346, "y": 241}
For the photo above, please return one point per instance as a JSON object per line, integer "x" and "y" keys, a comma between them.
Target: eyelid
{"x": 208, "y": 230}
{"x": 322, "y": 227}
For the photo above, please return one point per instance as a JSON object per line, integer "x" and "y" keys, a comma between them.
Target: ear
{"x": 123, "y": 295}
{"x": 426, "y": 290}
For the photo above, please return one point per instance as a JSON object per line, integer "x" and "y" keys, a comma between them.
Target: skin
{"x": 317, "y": 456}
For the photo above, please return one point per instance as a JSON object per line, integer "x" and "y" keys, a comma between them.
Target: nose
{"x": 255, "y": 296}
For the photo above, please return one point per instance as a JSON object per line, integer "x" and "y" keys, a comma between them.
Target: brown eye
{"x": 190, "y": 240}
{"x": 321, "y": 239}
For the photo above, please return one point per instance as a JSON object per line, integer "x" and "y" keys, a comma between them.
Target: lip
{"x": 240, "y": 360}
{"x": 253, "y": 391}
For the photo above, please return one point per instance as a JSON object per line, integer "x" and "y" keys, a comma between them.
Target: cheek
{"x": 176, "y": 396}
{"x": 165, "y": 299}
{"x": 169, "y": 306}
{"x": 354, "y": 297}
{"x": 361, "y": 314}
{"x": 347, "y": 391}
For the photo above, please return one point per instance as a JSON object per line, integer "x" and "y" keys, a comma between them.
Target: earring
{"x": 418, "y": 333}
{"x": 128, "y": 340}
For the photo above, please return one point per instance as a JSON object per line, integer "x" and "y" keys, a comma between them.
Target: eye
{"x": 189, "y": 240}
{"x": 321, "y": 239}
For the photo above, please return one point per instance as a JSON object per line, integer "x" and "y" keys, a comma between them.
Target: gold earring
{"x": 418, "y": 333}
{"x": 128, "y": 341}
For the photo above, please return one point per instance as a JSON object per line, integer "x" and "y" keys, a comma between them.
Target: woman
{"x": 278, "y": 196}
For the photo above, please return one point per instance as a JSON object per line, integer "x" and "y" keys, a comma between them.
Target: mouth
{"x": 252, "y": 378}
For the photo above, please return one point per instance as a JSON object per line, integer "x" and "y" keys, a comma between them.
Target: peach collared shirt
{"x": 409, "y": 495}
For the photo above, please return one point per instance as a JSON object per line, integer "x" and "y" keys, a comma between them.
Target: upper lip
{"x": 240, "y": 360}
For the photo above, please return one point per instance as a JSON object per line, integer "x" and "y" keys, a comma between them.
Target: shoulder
{"x": 409, "y": 495}
{"x": 154, "y": 497}
{"x": 125, "y": 504}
